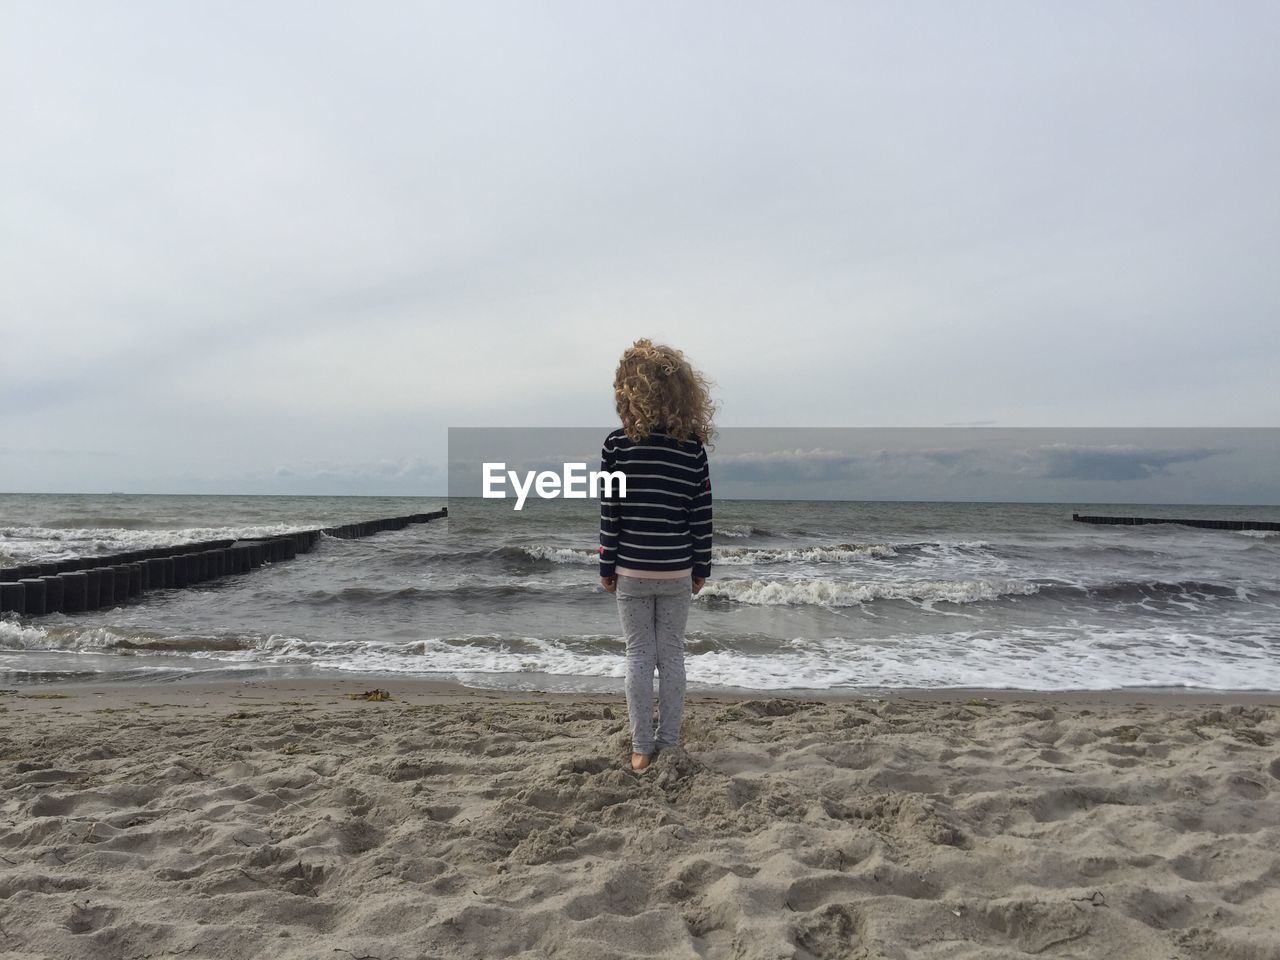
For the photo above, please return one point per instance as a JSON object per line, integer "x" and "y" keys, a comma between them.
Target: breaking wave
{"x": 852, "y": 593}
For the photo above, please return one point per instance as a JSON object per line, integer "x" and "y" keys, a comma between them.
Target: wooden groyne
{"x": 78, "y": 584}
{"x": 1206, "y": 524}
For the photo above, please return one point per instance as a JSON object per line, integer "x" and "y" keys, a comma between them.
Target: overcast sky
{"x": 281, "y": 247}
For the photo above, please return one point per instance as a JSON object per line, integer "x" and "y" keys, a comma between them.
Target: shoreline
{"x": 417, "y": 690}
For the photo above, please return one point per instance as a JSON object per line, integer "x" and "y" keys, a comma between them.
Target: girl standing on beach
{"x": 655, "y": 544}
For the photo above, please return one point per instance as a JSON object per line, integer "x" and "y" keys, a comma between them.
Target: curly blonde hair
{"x": 656, "y": 388}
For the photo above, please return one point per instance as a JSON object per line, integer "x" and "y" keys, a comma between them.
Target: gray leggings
{"x": 654, "y": 614}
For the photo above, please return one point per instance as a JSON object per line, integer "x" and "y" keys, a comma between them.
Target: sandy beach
{"x": 289, "y": 819}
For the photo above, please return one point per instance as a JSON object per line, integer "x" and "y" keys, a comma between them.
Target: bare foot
{"x": 639, "y": 761}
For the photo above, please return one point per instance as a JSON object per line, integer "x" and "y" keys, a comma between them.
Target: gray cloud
{"x": 799, "y": 466}
{"x": 1117, "y": 462}
{"x": 793, "y": 466}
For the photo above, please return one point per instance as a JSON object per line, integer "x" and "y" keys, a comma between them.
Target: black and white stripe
{"x": 664, "y": 522}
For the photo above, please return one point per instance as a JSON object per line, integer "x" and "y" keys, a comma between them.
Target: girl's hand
{"x": 698, "y": 582}
{"x": 610, "y": 584}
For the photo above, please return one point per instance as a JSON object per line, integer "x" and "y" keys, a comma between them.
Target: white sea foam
{"x": 1024, "y": 658}
{"x": 835, "y": 553}
{"x": 15, "y": 635}
{"x": 849, "y": 593}
{"x": 561, "y": 554}
{"x": 740, "y": 556}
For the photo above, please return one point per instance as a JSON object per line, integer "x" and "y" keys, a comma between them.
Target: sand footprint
{"x": 832, "y": 932}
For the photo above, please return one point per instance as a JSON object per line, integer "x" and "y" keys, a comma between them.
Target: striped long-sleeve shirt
{"x": 664, "y": 522}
